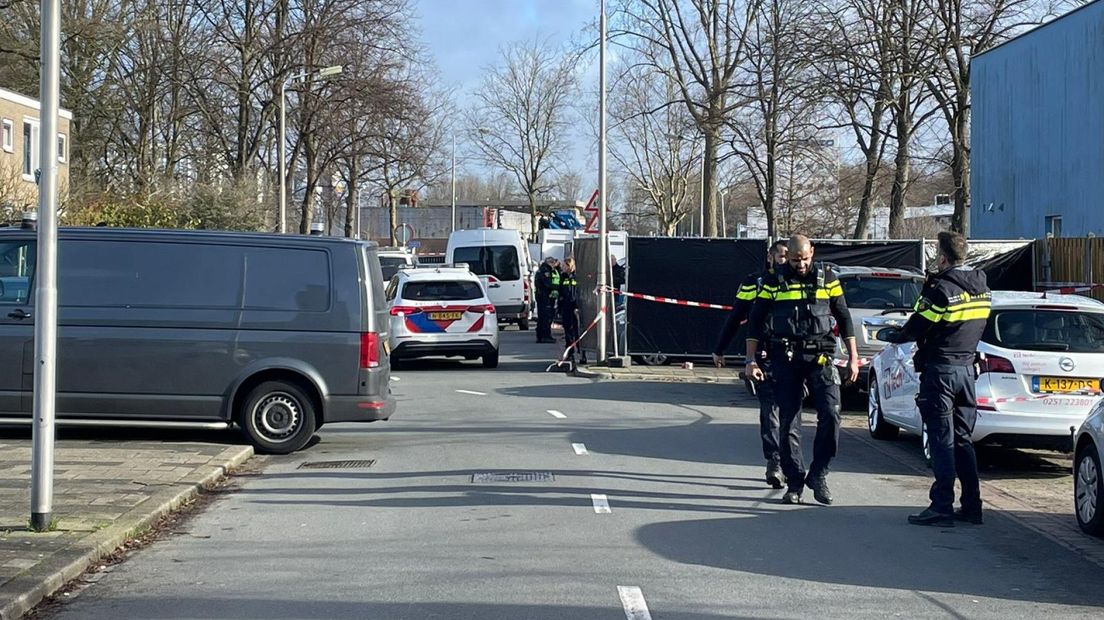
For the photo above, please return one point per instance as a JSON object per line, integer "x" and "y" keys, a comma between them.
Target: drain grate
{"x": 337, "y": 464}
{"x": 514, "y": 476}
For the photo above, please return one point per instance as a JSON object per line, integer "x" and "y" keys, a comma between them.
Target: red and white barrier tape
{"x": 670, "y": 300}
{"x": 1069, "y": 290}
{"x": 571, "y": 346}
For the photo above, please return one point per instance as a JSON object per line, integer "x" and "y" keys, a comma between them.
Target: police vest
{"x": 801, "y": 311}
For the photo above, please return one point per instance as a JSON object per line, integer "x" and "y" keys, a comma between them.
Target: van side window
{"x": 287, "y": 279}
{"x": 17, "y": 265}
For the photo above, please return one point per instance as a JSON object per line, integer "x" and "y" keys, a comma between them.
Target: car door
{"x": 17, "y": 263}
{"x": 904, "y": 383}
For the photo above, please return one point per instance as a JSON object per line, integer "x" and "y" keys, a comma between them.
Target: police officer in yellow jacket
{"x": 797, "y": 310}
{"x": 950, "y": 318}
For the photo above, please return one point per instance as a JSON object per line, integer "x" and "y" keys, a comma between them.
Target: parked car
{"x": 876, "y": 292}
{"x": 273, "y": 334}
{"x": 1088, "y": 476}
{"x": 442, "y": 311}
{"x": 1040, "y": 363}
{"x": 500, "y": 257}
{"x": 394, "y": 259}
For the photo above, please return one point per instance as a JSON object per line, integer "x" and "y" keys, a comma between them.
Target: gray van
{"x": 273, "y": 334}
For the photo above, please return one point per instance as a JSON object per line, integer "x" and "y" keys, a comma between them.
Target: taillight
{"x": 488, "y": 309}
{"x": 369, "y": 350}
{"x": 404, "y": 310}
{"x": 993, "y": 363}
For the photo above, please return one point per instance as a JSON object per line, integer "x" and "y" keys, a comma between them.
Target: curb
{"x": 45, "y": 578}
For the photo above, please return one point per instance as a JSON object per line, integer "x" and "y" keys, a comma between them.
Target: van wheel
{"x": 490, "y": 360}
{"x": 523, "y": 324}
{"x": 277, "y": 418}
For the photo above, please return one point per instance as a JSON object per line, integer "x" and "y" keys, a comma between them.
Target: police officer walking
{"x": 949, "y": 320}
{"x": 796, "y": 308}
{"x": 764, "y": 390}
{"x": 548, "y": 289}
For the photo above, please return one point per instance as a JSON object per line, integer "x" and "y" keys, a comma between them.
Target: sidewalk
{"x": 105, "y": 492}
{"x": 700, "y": 373}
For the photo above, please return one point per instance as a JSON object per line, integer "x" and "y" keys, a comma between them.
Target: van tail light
{"x": 525, "y": 283}
{"x": 482, "y": 308}
{"x": 993, "y": 363}
{"x": 404, "y": 310}
{"x": 369, "y": 350}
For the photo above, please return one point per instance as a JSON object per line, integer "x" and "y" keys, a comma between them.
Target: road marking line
{"x": 601, "y": 504}
{"x": 471, "y": 392}
{"x": 556, "y": 414}
{"x": 632, "y": 599}
{"x": 580, "y": 448}
{"x": 393, "y": 378}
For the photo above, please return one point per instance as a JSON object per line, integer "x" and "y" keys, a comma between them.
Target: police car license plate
{"x": 1053, "y": 385}
{"x": 445, "y": 316}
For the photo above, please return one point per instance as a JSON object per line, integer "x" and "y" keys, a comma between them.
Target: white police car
{"x": 1040, "y": 367}
{"x": 441, "y": 311}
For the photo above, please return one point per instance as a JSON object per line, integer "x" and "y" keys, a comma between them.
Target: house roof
{"x": 23, "y": 100}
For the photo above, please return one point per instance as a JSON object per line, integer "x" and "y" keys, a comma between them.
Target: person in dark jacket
{"x": 548, "y": 285}
{"x": 796, "y": 310}
{"x": 569, "y": 304}
{"x": 947, "y": 324}
{"x": 764, "y": 390}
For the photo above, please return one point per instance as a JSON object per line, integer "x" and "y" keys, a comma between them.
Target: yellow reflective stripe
{"x": 746, "y": 295}
{"x": 765, "y": 294}
{"x": 967, "y": 315}
{"x": 833, "y": 292}
{"x": 970, "y": 305}
{"x": 789, "y": 295}
{"x": 931, "y": 315}
{"x": 825, "y": 294}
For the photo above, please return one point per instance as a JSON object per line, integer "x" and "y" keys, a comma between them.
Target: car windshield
{"x": 1046, "y": 330}
{"x": 454, "y": 290}
{"x": 500, "y": 261}
{"x": 872, "y": 293}
{"x": 390, "y": 265}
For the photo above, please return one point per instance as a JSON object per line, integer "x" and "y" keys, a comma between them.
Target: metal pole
{"x": 701, "y": 199}
{"x": 724, "y": 223}
{"x": 45, "y": 377}
{"x": 282, "y": 156}
{"x": 603, "y": 254}
{"x": 454, "y": 181}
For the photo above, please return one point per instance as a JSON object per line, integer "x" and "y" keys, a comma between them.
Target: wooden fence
{"x": 1078, "y": 260}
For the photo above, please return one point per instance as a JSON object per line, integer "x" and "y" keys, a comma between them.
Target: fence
{"x": 1072, "y": 260}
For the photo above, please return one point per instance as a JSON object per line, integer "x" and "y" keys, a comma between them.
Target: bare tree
{"x": 700, "y": 45}
{"x": 520, "y": 120}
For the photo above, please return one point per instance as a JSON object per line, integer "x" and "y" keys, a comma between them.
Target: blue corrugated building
{"x": 1038, "y": 131}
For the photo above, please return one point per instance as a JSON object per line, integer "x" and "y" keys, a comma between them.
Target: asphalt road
{"x": 689, "y": 523}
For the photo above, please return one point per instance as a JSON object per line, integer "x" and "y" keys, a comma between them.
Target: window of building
{"x": 1054, "y": 225}
{"x": 7, "y": 135}
{"x": 30, "y": 148}
{"x": 63, "y": 148}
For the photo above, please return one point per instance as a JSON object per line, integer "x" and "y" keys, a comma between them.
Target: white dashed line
{"x": 471, "y": 392}
{"x": 601, "y": 504}
{"x": 393, "y": 378}
{"x": 580, "y": 448}
{"x": 632, "y": 599}
{"x": 556, "y": 414}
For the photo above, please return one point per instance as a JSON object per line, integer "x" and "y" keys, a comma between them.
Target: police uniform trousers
{"x": 948, "y": 406}
{"x": 546, "y": 307}
{"x": 570, "y": 322}
{"x": 790, "y": 378}
{"x": 768, "y": 414}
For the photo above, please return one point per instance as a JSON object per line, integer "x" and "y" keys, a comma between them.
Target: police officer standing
{"x": 548, "y": 288}
{"x": 764, "y": 390}
{"x": 948, "y": 323}
{"x": 569, "y": 304}
{"x": 797, "y": 307}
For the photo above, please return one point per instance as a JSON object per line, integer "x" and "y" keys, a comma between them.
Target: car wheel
{"x": 926, "y": 443}
{"x": 490, "y": 360}
{"x": 277, "y": 417}
{"x": 523, "y": 325}
{"x": 1088, "y": 489}
{"x": 879, "y": 428}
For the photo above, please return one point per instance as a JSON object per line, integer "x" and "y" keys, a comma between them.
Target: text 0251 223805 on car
{"x": 442, "y": 311}
{"x": 1040, "y": 363}
{"x": 274, "y": 334}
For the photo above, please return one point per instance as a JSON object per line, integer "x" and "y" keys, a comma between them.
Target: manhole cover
{"x": 337, "y": 464}
{"x": 514, "y": 476}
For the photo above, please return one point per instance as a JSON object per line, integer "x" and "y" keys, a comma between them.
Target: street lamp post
{"x": 453, "y": 181}
{"x": 281, "y": 150}
{"x": 724, "y": 223}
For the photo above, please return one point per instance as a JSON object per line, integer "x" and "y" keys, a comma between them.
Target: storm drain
{"x": 514, "y": 476}
{"x": 337, "y": 464}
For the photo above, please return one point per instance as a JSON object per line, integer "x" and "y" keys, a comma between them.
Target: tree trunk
{"x": 960, "y": 165}
{"x": 709, "y": 179}
{"x": 307, "y": 215}
{"x": 873, "y": 164}
{"x": 533, "y": 216}
{"x": 352, "y": 200}
{"x": 393, "y": 211}
{"x": 901, "y": 174}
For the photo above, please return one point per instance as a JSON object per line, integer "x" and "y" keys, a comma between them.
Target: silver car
{"x": 1088, "y": 477}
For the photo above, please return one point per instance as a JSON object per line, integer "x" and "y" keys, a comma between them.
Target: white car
{"x": 441, "y": 311}
{"x": 1040, "y": 364}
{"x": 394, "y": 259}
{"x": 1088, "y": 477}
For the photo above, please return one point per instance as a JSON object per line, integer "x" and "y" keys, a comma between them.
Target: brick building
{"x": 19, "y": 156}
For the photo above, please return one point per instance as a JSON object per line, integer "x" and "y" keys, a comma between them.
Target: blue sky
{"x": 465, "y": 36}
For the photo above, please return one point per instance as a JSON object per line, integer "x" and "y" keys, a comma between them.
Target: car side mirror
{"x": 887, "y": 334}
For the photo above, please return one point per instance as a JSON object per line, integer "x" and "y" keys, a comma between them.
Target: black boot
{"x": 969, "y": 516}
{"x": 818, "y": 482}
{"x": 775, "y": 478}
{"x": 931, "y": 517}
{"x": 791, "y": 497}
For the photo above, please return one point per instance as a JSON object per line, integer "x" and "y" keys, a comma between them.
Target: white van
{"x": 500, "y": 257}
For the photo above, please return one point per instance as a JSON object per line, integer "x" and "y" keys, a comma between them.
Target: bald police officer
{"x": 797, "y": 309}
